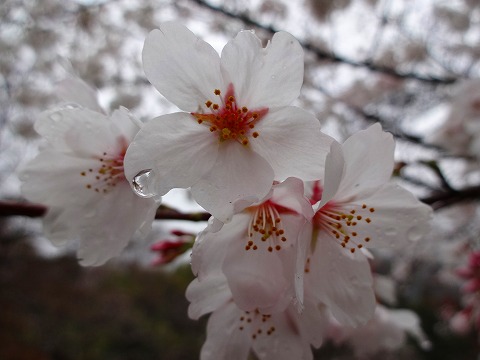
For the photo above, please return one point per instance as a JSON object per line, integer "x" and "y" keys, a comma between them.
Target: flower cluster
{"x": 469, "y": 317}
{"x": 294, "y": 212}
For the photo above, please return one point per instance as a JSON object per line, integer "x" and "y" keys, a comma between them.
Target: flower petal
{"x": 291, "y": 141}
{"x": 176, "y": 148}
{"x": 334, "y": 169}
{"x": 342, "y": 282}
{"x": 183, "y": 68}
{"x": 75, "y": 90}
{"x": 256, "y": 279}
{"x": 54, "y": 179}
{"x": 108, "y": 232}
{"x": 290, "y": 194}
{"x": 207, "y": 295}
{"x": 399, "y": 216}
{"x": 225, "y": 340}
{"x": 369, "y": 162}
{"x": 238, "y": 173}
{"x": 264, "y": 77}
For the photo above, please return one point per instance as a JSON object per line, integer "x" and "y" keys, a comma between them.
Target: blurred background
{"x": 413, "y": 66}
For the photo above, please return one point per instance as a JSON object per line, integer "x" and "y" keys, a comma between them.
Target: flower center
{"x": 108, "y": 172}
{"x": 257, "y": 323}
{"x": 342, "y": 224}
{"x": 229, "y": 120}
{"x": 265, "y": 227}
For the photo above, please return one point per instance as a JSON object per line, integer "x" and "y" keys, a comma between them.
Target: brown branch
{"x": 447, "y": 198}
{"x": 325, "y": 55}
{"x": 12, "y": 208}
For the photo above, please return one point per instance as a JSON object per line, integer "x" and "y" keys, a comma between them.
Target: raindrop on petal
{"x": 142, "y": 183}
{"x": 391, "y": 232}
{"x": 415, "y": 233}
{"x": 56, "y": 116}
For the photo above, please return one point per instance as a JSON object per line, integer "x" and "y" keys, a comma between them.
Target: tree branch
{"x": 12, "y": 208}
{"x": 324, "y": 55}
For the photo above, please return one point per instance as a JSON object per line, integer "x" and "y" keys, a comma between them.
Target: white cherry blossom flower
{"x": 258, "y": 251}
{"x": 79, "y": 175}
{"x": 388, "y": 330}
{"x": 233, "y": 332}
{"x": 359, "y": 209}
{"x": 237, "y": 134}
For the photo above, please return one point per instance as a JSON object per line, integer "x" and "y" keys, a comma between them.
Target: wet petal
{"x": 291, "y": 141}
{"x": 369, "y": 162}
{"x": 183, "y": 68}
{"x": 225, "y": 340}
{"x": 342, "y": 282}
{"x": 238, "y": 173}
{"x": 178, "y": 150}
{"x": 264, "y": 77}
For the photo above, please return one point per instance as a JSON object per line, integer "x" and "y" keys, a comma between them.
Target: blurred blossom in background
{"x": 414, "y": 67}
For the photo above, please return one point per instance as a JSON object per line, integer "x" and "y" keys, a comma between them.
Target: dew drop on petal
{"x": 391, "y": 232}
{"x": 425, "y": 344}
{"x": 142, "y": 183}
{"x": 415, "y": 233}
{"x": 56, "y": 116}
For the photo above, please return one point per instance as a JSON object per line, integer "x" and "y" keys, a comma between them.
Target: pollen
{"x": 228, "y": 120}
{"x": 109, "y": 171}
{"x": 265, "y": 228}
{"x": 339, "y": 221}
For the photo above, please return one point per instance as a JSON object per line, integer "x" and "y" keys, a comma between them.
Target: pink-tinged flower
{"x": 169, "y": 250}
{"x": 388, "y": 330}
{"x": 79, "y": 175}
{"x": 359, "y": 209}
{"x": 237, "y": 134}
{"x": 469, "y": 317}
{"x": 233, "y": 332}
{"x": 259, "y": 251}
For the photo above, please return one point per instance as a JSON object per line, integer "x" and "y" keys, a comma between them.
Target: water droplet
{"x": 391, "y": 232}
{"x": 426, "y": 344}
{"x": 143, "y": 183}
{"x": 273, "y": 76}
{"x": 56, "y": 116}
{"x": 415, "y": 233}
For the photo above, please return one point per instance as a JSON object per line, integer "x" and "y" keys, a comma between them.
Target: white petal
{"x": 210, "y": 248}
{"x": 207, "y": 295}
{"x": 257, "y": 278}
{"x": 238, "y": 173}
{"x": 289, "y": 194}
{"x": 54, "y": 179}
{"x": 108, "y": 232}
{"x": 334, "y": 169}
{"x": 126, "y": 125}
{"x": 369, "y": 162}
{"x": 183, "y": 68}
{"x": 398, "y": 217}
{"x": 58, "y": 226}
{"x": 75, "y": 90}
{"x": 291, "y": 141}
{"x": 264, "y": 77}
{"x": 342, "y": 282}
{"x": 225, "y": 340}
{"x": 285, "y": 343}
{"x": 176, "y": 148}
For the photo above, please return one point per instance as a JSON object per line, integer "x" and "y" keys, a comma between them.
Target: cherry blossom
{"x": 79, "y": 175}
{"x": 460, "y": 129}
{"x": 259, "y": 252}
{"x": 237, "y": 134}
{"x": 359, "y": 209}
{"x": 232, "y": 332}
{"x": 388, "y": 330}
